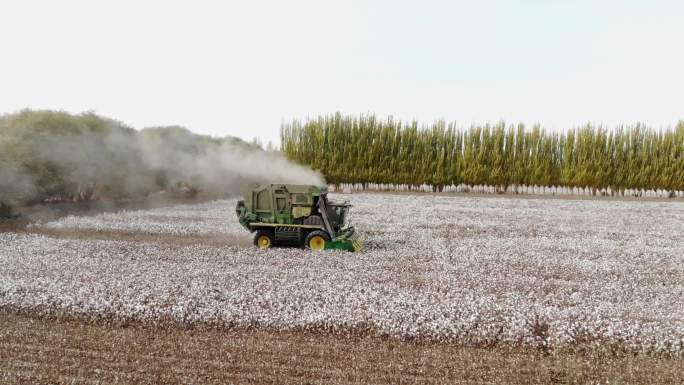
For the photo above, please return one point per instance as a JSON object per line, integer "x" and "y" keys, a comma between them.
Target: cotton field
{"x": 544, "y": 273}
{"x": 199, "y": 219}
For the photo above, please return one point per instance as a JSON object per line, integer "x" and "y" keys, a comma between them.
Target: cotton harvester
{"x": 297, "y": 215}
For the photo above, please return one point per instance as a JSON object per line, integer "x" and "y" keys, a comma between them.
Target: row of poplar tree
{"x": 364, "y": 149}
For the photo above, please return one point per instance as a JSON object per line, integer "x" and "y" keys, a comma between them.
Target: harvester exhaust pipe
{"x": 323, "y": 209}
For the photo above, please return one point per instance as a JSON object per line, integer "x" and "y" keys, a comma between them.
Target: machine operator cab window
{"x": 337, "y": 212}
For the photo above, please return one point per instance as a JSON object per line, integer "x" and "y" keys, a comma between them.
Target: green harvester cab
{"x": 296, "y": 215}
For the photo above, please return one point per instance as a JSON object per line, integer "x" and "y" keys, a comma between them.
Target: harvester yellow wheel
{"x": 263, "y": 239}
{"x": 317, "y": 243}
{"x": 316, "y": 240}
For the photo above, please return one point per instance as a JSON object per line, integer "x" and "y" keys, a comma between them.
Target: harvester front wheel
{"x": 316, "y": 240}
{"x": 263, "y": 239}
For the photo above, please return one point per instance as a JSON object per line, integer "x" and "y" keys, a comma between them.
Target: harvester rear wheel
{"x": 263, "y": 239}
{"x": 316, "y": 240}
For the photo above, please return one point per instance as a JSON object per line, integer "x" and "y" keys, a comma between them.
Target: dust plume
{"x": 56, "y": 156}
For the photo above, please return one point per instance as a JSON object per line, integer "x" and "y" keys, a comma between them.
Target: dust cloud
{"x": 54, "y": 156}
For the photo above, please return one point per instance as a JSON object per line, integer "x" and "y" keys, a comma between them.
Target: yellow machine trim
{"x": 284, "y": 225}
{"x": 301, "y": 211}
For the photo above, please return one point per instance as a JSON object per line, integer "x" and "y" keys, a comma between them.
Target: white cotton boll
{"x": 467, "y": 270}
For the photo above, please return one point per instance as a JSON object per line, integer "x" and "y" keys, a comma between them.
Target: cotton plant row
{"x": 210, "y": 218}
{"x": 552, "y": 274}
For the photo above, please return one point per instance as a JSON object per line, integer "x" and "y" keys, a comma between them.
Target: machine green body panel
{"x": 349, "y": 241}
{"x": 273, "y": 203}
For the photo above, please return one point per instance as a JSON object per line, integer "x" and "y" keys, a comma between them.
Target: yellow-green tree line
{"x": 364, "y": 149}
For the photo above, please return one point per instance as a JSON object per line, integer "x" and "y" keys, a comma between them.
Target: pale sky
{"x": 242, "y": 67}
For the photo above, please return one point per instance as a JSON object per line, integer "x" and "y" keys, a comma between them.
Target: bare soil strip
{"x": 38, "y": 350}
